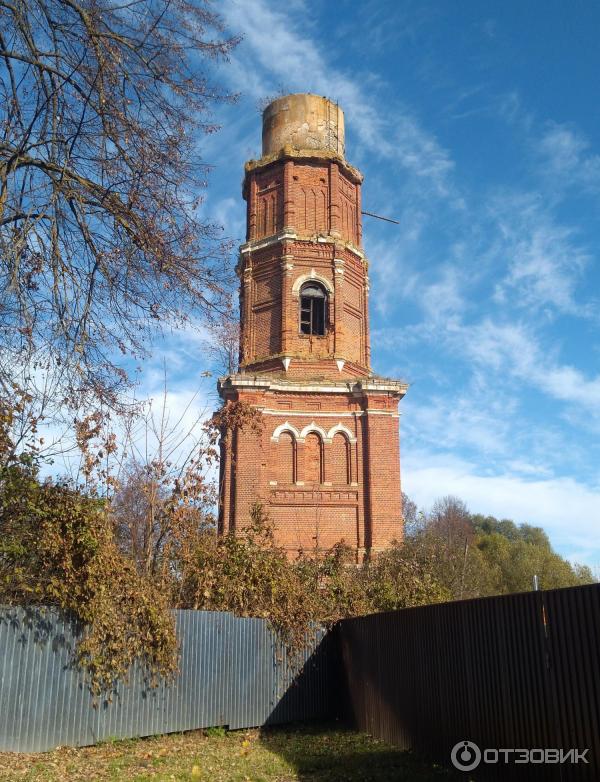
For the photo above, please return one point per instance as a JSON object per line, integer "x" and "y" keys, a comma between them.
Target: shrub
{"x": 57, "y": 549}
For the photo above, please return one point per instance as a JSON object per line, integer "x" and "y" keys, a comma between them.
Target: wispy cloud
{"x": 468, "y": 419}
{"x": 278, "y": 53}
{"x": 442, "y": 299}
{"x": 565, "y": 155}
{"x": 544, "y": 259}
{"x": 513, "y": 349}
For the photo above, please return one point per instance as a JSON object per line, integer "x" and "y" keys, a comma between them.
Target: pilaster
{"x": 288, "y": 196}
{"x": 287, "y": 318}
{"x": 338, "y": 286}
{"x": 334, "y": 201}
{"x": 367, "y": 335}
{"x": 252, "y": 206}
{"x": 246, "y": 330}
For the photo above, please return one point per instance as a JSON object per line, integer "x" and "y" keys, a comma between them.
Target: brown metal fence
{"x": 512, "y": 672}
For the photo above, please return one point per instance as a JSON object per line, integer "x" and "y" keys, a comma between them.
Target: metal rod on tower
{"x": 379, "y": 217}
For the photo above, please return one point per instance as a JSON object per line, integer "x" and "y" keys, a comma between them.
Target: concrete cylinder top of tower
{"x": 303, "y": 121}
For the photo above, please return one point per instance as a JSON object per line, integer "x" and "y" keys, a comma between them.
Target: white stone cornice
{"x": 291, "y": 236}
{"x": 322, "y": 414}
{"x": 260, "y": 244}
{"x": 356, "y": 387}
{"x": 310, "y": 413}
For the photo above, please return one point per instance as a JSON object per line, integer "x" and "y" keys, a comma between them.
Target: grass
{"x": 280, "y": 755}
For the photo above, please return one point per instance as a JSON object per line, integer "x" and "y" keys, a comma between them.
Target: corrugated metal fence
{"x": 233, "y": 672}
{"x": 518, "y": 671}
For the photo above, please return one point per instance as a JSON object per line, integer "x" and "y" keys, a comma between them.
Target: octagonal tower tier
{"x": 329, "y": 467}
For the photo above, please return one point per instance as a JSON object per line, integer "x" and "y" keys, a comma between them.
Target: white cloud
{"x": 511, "y": 110}
{"x": 229, "y": 213}
{"x": 464, "y": 420}
{"x": 443, "y": 299}
{"x": 393, "y": 260}
{"x": 418, "y": 152}
{"x": 567, "y": 509}
{"x": 171, "y": 394}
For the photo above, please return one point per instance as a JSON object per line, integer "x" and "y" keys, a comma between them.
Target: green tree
{"x": 473, "y": 555}
{"x": 517, "y": 561}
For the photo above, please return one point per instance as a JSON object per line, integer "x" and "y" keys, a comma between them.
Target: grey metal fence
{"x": 518, "y": 671}
{"x": 233, "y": 671}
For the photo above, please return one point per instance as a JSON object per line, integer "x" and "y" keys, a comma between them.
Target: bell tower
{"x": 327, "y": 464}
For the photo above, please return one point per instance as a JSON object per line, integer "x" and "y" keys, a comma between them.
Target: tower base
{"x": 326, "y": 465}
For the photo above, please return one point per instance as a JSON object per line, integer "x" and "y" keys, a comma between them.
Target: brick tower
{"x": 327, "y": 466}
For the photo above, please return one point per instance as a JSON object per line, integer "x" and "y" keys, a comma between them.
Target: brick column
{"x": 358, "y": 215}
{"x": 246, "y": 336}
{"x": 288, "y": 320}
{"x": 382, "y": 474}
{"x": 367, "y": 335}
{"x": 289, "y": 213}
{"x": 251, "y": 208}
{"x": 225, "y": 518}
{"x": 248, "y": 488}
{"x": 338, "y": 306}
{"x": 300, "y": 462}
{"x": 327, "y": 466}
{"x": 335, "y": 228}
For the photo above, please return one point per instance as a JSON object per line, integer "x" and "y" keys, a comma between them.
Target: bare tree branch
{"x": 101, "y": 106}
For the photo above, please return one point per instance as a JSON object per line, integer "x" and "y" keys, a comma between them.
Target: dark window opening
{"x": 313, "y": 307}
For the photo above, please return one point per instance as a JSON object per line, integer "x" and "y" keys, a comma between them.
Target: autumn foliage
{"x": 57, "y": 548}
{"x": 117, "y": 563}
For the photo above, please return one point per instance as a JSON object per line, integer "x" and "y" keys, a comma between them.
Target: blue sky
{"x": 476, "y": 125}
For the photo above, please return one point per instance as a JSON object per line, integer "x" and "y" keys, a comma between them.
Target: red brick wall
{"x": 282, "y": 463}
{"x": 337, "y": 471}
{"x": 269, "y": 202}
{"x": 319, "y": 485}
{"x": 346, "y": 486}
{"x": 312, "y": 199}
{"x": 313, "y": 459}
{"x": 382, "y": 476}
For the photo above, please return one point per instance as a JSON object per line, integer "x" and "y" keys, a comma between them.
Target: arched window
{"x": 313, "y": 309}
